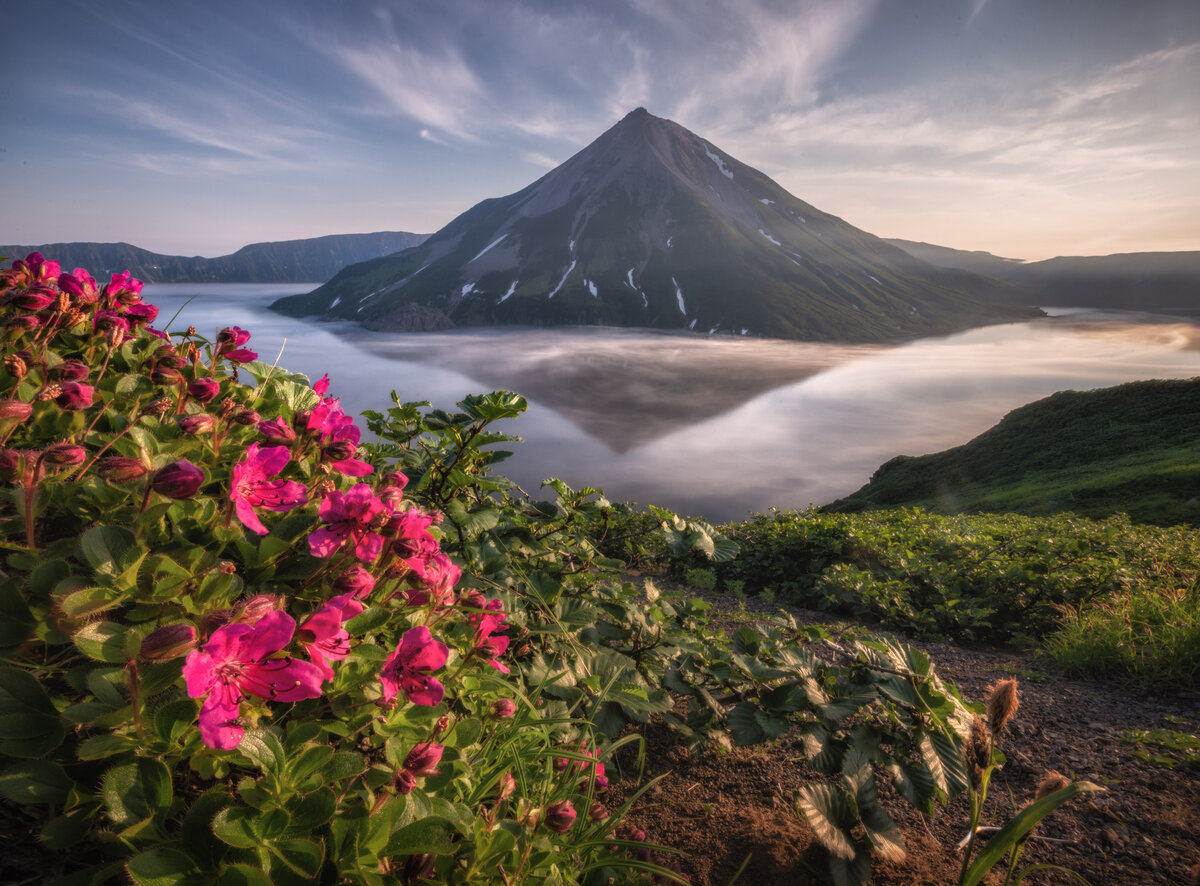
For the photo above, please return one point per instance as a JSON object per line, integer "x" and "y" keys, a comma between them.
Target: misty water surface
{"x": 712, "y": 426}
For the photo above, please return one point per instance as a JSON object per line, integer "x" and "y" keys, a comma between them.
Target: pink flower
{"x": 229, "y": 345}
{"x": 560, "y": 816}
{"x": 81, "y": 285}
{"x": 252, "y": 488}
{"x": 141, "y": 313}
{"x": 122, "y": 289}
{"x": 410, "y": 666}
{"x": 203, "y": 389}
{"x": 75, "y": 395}
{"x": 276, "y": 430}
{"x": 349, "y": 516}
{"x": 324, "y": 637}
{"x": 236, "y": 662}
{"x": 487, "y": 641}
{"x": 322, "y": 384}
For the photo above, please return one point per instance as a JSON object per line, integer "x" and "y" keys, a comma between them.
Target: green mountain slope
{"x": 1134, "y": 448}
{"x": 653, "y": 226}
{"x": 285, "y": 261}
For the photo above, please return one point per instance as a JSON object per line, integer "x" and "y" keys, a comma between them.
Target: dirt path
{"x": 730, "y": 813}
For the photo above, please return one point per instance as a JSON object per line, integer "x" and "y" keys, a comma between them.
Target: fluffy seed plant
{"x": 983, "y": 758}
{"x": 233, "y": 650}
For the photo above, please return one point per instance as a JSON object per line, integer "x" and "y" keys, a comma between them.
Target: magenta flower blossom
{"x": 487, "y": 640}
{"x": 203, "y": 390}
{"x": 324, "y": 637}
{"x": 423, "y": 759}
{"x": 37, "y": 268}
{"x": 335, "y": 430}
{"x": 141, "y": 313}
{"x": 349, "y": 516}
{"x": 410, "y": 666}
{"x": 252, "y": 487}
{"x": 229, "y": 345}
{"x": 74, "y": 395}
{"x": 236, "y": 662}
{"x": 79, "y": 284}
{"x": 122, "y": 288}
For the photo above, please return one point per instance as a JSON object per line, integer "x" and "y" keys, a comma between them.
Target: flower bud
{"x": 405, "y": 782}
{"x": 276, "y": 431}
{"x": 168, "y": 642}
{"x": 391, "y": 496}
{"x": 504, "y": 708}
{"x": 250, "y": 611}
{"x": 73, "y": 395}
{"x": 168, "y": 356}
{"x": 15, "y": 410}
{"x": 560, "y": 816}
{"x": 356, "y": 582}
{"x": 120, "y": 469}
{"x": 423, "y": 759}
{"x": 203, "y": 389}
{"x": 64, "y": 455}
{"x": 215, "y": 619}
{"x": 69, "y": 370}
{"x": 24, "y": 322}
{"x": 36, "y": 298}
{"x": 506, "y": 788}
{"x": 10, "y": 462}
{"x": 200, "y": 423}
{"x": 246, "y": 417}
{"x": 165, "y": 375}
{"x": 179, "y": 479}
{"x": 597, "y": 812}
{"x": 396, "y": 479}
{"x": 419, "y": 867}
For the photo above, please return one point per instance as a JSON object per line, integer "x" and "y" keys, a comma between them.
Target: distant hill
{"x": 653, "y": 226}
{"x": 1133, "y": 448}
{"x": 287, "y": 261}
{"x": 1158, "y": 282}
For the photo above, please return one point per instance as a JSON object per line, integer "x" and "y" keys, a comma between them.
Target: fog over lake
{"x": 716, "y": 426}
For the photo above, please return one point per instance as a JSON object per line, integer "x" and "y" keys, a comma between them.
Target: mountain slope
{"x": 653, "y": 226}
{"x": 1133, "y": 448}
{"x": 1166, "y": 282}
{"x": 287, "y": 261}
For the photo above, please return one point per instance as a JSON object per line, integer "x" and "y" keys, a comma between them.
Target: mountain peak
{"x": 651, "y": 225}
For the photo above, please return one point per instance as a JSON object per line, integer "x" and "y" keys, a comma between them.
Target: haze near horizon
{"x": 1024, "y": 129}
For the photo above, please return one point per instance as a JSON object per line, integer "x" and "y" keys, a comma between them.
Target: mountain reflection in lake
{"x": 712, "y": 426}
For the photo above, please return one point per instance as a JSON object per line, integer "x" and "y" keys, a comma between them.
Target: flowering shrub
{"x": 235, "y": 650}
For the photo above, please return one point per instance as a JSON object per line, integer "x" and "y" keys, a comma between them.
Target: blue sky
{"x": 1027, "y": 128}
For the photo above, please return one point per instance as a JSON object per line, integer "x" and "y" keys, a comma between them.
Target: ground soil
{"x": 729, "y": 814}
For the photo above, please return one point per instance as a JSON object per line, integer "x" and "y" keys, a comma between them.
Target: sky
{"x": 1026, "y": 128}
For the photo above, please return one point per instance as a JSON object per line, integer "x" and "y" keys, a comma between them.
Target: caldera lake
{"x": 719, "y": 426}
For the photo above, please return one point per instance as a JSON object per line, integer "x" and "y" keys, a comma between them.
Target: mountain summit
{"x": 652, "y": 226}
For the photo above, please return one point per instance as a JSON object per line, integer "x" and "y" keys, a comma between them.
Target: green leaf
{"x": 134, "y": 791}
{"x": 197, "y": 831}
{"x": 828, "y": 812}
{"x": 16, "y": 621}
{"x": 97, "y": 747}
{"x": 368, "y": 620}
{"x": 114, "y": 553}
{"x": 302, "y": 856}
{"x": 174, "y": 718}
{"x": 29, "y": 723}
{"x": 312, "y": 810}
{"x": 36, "y": 782}
{"x": 432, "y": 834}
{"x": 102, "y": 641}
{"x": 163, "y": 866}
{"x": 310, "y": 761}
{"x": 263, "y": 749}
{"x": 235, "y": 825}
{"x": 242, "y": 875}
{"x": 1018, "y": 826}
{"x": 89, "y": 601}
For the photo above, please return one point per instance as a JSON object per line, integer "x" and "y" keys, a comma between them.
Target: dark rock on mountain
{"x": 1158, "y": 282}
{"x": 653, "y": 226}
{"x": 287, "y": 261}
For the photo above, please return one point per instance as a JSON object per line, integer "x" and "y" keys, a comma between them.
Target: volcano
{"x": 653, "y": 226}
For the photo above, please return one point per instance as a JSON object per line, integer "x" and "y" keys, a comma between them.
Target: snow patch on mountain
{"x": 679, "y": 297}
{"x": 765, "y": 202}
{"x": 629, "y": 278}
{"x": 489, "y": 246}
{"x": 511, "y": 290}
{"x": 554, "y": 291}
{"x": 591, "y": 287}
{"x": 467, "y": 289}
{"x": 720, "y": 163}
{"x": 876, "y": 279}
{"x": 333, "y": 304}
{"x": 769, "y": 237}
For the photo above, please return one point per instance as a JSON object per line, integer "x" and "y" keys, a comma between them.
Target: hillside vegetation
{"x": 1133, "y": 449}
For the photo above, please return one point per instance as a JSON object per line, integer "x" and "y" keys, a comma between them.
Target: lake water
{"x": 719, "y": 426}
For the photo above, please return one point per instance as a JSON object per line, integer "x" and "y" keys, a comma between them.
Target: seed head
{"x": 1052, "y": 781}
{"x": 1001, "y": 703}
{"x": 978, "y": 751}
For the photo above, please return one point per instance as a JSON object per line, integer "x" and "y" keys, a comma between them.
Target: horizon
{"x": 1020, "y": 129}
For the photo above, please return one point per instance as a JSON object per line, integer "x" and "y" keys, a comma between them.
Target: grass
{"x": 1147, "y": 637}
